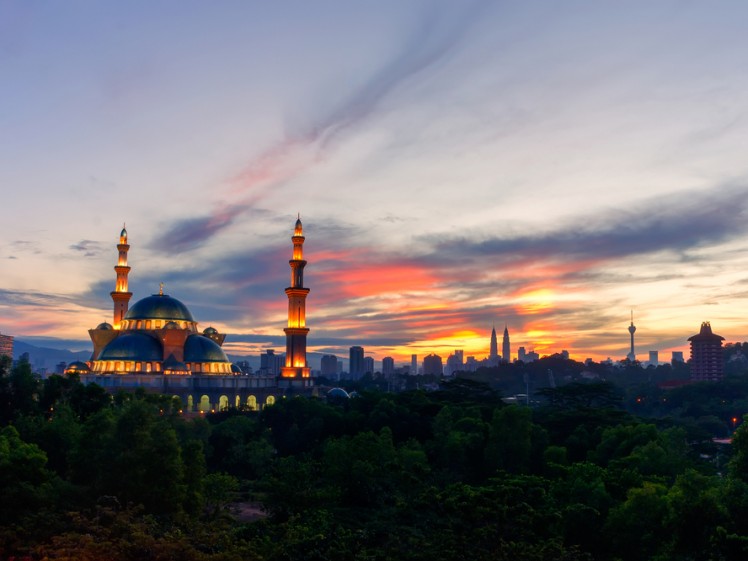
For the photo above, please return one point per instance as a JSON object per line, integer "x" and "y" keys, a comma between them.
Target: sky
{"x": 541, "y": 165}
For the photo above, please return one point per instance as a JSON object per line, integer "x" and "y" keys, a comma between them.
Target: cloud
{"x": 440, "y": 32}
{"x": 89, "y": 248}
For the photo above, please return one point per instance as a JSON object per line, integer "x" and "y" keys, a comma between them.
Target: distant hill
{"x": 46, "y": 357}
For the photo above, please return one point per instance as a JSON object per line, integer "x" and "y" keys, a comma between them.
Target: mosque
{"x": 156, "y": 345}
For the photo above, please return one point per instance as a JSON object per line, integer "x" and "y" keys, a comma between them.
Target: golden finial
{"x": 160, "y": 289}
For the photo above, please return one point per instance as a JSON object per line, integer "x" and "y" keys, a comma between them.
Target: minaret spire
{"x": 632, "y": 328}
{"x": 121, "y": 296}
{"x": 296, "y": 332}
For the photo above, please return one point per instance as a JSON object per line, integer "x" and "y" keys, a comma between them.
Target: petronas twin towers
{"x": 506, "y": 353}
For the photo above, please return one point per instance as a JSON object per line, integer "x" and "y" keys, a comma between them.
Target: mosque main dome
{"x": 156, "y": 335}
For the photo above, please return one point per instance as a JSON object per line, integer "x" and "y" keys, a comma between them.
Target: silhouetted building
{"x": 506, "y": 351}
{"x": 454, "y": 363}
{"x": 368, "y": 365}
{"x": 6, "y": 345}
{"x": 356, "y": 362}
{"x": 654, "y": 358}
{"x": 271, "y": 363}
{"x": 329, "y": 366}
{"x": 521, "y": 354}
{"x": 677, "y": 357}
{"x": 388, "y": 366}
{"x": 707, "y": 363}
{"x": 413, "y": 365}
{"x": 432, "y": 365}
{"x": 493, "y": 353}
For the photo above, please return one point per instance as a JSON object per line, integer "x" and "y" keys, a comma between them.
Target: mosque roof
{"x": 133, "y": 346}
{"x": 198, "y": 348}
{"x": 159, "y": 306}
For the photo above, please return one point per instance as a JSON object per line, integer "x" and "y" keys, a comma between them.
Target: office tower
{"x": 454, "y": 363}
{"x": 493, "y": 354}
{"x": 707, "y": 363}
{"x": 654, "y": 358}
{"x": 356, "y": 362}
{"x": 296, "y": 332}
{"x": 414, "y": 365}
{"x": 329, "y": 366}
{"x": 6, "y": 345}
{"x": 632, "y": 328}
{"x": 270, "y": 363}
{"x": 506, "y": 352}
{"x": 388, "y": 366}
{"x": 368, "y": 365}
{"x": 677, "y": 357}
{"x": 432, "y": 365}
{"x": 521, "y": 355}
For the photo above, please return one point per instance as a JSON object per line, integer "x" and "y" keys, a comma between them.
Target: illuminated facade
{"x": 296, "y": 332}
{"x": 120, "y": 295}
{"x": 6, "y": 345}
{"x": 707, "y": 362}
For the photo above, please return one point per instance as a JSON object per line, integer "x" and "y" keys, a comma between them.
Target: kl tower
{"x": 296, "y": 371}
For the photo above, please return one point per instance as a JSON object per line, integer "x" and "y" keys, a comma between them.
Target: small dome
{"x": 77, "y": 367}
{"x": 133, "y": 346}
{"x": 171, "y": 325}
{"x": 160, "y": 306}
{"x": 199, "y": 348}
{"x": 210, "y": 331}
{"x": 338, "y": 393}
{"x": 236, "y": 370}
{"x": 104, "y": 325}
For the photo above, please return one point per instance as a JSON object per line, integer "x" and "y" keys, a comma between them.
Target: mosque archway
{"x": 190, "y": 403}
{"x": 204, "y": 404}
{"x": 270, "y": 400}
{"x": 252, "y": 403}
{"x": 223, "y": 403}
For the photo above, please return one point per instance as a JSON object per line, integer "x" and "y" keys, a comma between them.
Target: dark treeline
{"x": 593, "y": 470}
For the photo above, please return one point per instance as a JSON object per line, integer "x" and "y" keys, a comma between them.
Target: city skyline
{"x": 456, "y": 167}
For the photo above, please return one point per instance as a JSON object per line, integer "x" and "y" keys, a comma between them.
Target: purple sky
{"x": 545, "y": 165}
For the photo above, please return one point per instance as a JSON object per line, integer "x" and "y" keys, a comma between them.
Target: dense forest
{"x": 592, "y": 469}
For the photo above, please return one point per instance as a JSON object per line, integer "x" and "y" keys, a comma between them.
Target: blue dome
{"x": 133, "y": 346}
{"x": 104, "y": 325}
{"x": 77, "y": 366}
{"x": 338, "y": 393}
{"x": 159, "y": 306}
{"x": 199, "y": 348}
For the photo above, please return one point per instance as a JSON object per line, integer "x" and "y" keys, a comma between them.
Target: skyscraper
{"x": 329, "y": 366}
{"x": 432, "y": 365}
{"x": 356, "y": 362}
{"x": 296, "y": 332}
{"x": 632, "y": 328}
{"x": 388, "y": 366}
{"x": 493, "y": 353}
{"x": 707, "y": 363}
{"x": 414, "y": 365}
{"x": 506, "y": 352}
{"x": 368, "y": 365}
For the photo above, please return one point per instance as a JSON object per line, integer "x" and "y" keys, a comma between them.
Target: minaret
{"x": 296, "y": 332}
{"x": 632, "y": 328}
{"x": 493, "y": 354}
{"x": 506, "y": 353}
{"x": 120, "y": 295}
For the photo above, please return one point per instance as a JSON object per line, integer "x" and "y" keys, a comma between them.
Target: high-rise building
{"x": 454, "y": 363}
{"x": 493, "y": 353}
{"x": 329, "y": 366}
{"x": 368, "y": 365}
{"x": 654, "y": 358}
{"x": 6, "y": 345}
{"x": 414, "y": 365}
{"x": 356, "y": 362}
{"x": 677, "y": 357}
{"x": 506, "y": 352}
{"x": 296, "y": 332}
{"x": 707, "y": 362}
{"x": 388, "y": 366}
{"x": 521, "y": 354}
{"x": 432, "y": 365}
{"x": 271, "y": 364}
{"x": 632, "y": 328}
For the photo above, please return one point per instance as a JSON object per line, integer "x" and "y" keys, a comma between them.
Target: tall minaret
{"x": 296, "y": 332}
{"x": 493, "y": 354}
{"x": 632, "y": 328}
{"x": 120, "y": 295}
{"x": 506, "y": 352}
